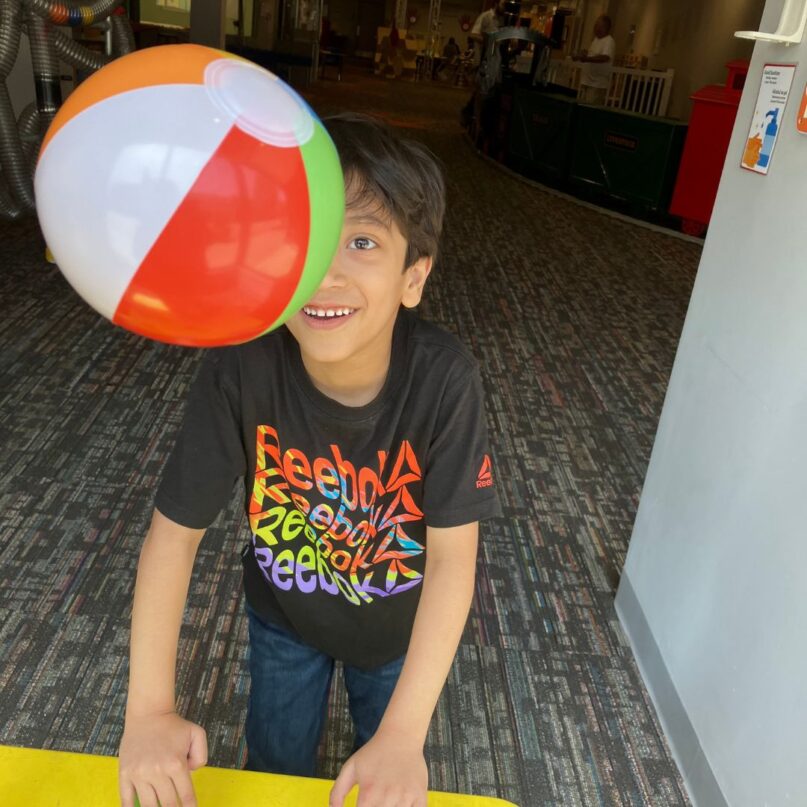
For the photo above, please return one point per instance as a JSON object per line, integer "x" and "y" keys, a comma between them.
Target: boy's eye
{"x": 362, "y": 243}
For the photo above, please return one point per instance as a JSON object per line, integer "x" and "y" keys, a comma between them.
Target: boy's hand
{"x": 157, "y": 754}
{"x": 390, "y": 771}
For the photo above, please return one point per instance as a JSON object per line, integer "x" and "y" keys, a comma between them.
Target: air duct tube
{"x": 122, "y": 37}
{"x": 8, "y": 208}
{"x": 10, "y": 30}
{"x": 76, "y": 54}
{"x": 47, "y": 75}
{"x": 12, "y": 156}
{"x": 30, "y": 135}
{"x": 19, "y": 140}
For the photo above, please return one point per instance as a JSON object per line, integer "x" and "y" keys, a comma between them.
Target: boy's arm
{"x": 158, "y": 748}
{"x": 448, "y": 585}
{"x": 163, "y": 578}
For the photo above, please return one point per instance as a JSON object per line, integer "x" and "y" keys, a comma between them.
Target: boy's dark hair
{"x": 399, "y": 175}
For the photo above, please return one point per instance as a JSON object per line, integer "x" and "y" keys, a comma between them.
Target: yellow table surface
{"x": 33, "y": 778}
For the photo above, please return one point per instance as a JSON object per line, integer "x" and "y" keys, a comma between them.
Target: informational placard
{"x": 801, "y": 118}
{"x": 766, "y": 124}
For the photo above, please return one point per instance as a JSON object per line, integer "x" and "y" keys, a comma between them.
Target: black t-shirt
{"x": 338, "y": 497}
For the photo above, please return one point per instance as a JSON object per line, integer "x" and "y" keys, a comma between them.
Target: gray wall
{"x": 20, "y": 80}
{"x": 692, "y": 36}
{"x": 714, "y": 590}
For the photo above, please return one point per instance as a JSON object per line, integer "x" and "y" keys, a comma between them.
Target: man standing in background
{"x": 487, "y": 69}
{"x": 487, "y": 23}
{"x": 598, "y": 64}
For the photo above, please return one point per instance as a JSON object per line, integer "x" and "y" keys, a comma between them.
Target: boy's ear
{"x": 416, "y": 276}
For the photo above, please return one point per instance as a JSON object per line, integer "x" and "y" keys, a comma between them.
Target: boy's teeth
{"x": 329, "y": 312}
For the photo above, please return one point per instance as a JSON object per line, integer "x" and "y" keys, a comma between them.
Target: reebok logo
{"x": 484, "y": 479}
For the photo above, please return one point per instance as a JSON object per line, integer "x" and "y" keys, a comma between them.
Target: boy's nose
{"x": 335, "y": 275}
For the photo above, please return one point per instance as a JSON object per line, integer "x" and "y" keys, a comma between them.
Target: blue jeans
{"x": 288, "y": 699}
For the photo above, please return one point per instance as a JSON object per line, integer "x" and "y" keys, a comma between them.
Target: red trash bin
{"x": 713, "y": 113}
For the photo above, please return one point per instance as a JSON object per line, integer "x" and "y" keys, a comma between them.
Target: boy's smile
{"x": 326, "y": 315}
{"x": 345, "y": 330}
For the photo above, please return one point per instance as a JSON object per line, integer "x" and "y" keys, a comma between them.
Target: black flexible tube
{"x": 47, "y": 75}
{"x": 76, "y": 54}
{"x": 31, "y": 133}
{"x": 122, "y": 37}
{"x": 29, "y": 129}
{"x": 19, "y": 141}
{"x": 10, "y": 29}
{"x": 12, "y": 156}
{"x": 9, "y": 209}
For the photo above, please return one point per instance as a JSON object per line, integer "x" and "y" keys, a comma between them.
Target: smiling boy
{"x": 359, "y": 431}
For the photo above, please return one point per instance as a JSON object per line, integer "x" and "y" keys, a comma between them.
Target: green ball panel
{"x": 326, "y": 193}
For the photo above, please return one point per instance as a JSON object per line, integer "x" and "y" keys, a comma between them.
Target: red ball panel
{"x": 231, "y": 256}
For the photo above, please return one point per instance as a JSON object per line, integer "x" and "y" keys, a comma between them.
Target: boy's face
{"x": 364, "y": 288}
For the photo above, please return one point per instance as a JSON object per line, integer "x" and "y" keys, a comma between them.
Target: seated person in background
{"x": 451, "y": 55}
{"x": 465, "y": 64}
{"x": 451, "y": 50}
{"x": 598, "y": 64}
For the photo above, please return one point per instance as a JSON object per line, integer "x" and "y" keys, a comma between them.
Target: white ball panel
{"x": 261, "y": 104}
{"x": 112, "y": 177}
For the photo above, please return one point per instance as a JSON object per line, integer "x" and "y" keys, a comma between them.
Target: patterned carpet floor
{"x": 574, "y": 316}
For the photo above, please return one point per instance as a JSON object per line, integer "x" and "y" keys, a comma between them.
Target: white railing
{"x": 646, "y": 92}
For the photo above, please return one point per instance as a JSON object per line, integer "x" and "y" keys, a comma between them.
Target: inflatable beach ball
{"x": 190, "y": 196}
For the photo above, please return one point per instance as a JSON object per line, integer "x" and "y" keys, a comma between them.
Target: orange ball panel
{"x": 167, "y": 64}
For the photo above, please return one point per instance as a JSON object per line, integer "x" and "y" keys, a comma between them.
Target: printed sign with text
{"x": 768, "y": 114}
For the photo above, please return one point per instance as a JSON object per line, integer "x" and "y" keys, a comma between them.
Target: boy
{"x": 359, "y": 431}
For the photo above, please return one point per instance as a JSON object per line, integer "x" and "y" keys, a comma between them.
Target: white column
{"x": 207, "y": 23}
{"x": 401, "y": 23}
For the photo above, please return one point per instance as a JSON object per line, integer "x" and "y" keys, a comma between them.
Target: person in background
{"x": 391, "y": 53}
{"x": 465, "y": 65}
{"x": 486, "y": 23}
{"x": 598, "y": 64}
{"x": 451, "y": 50}
{"x": 451, "y": 55}
{"x": 396, "y": 50}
